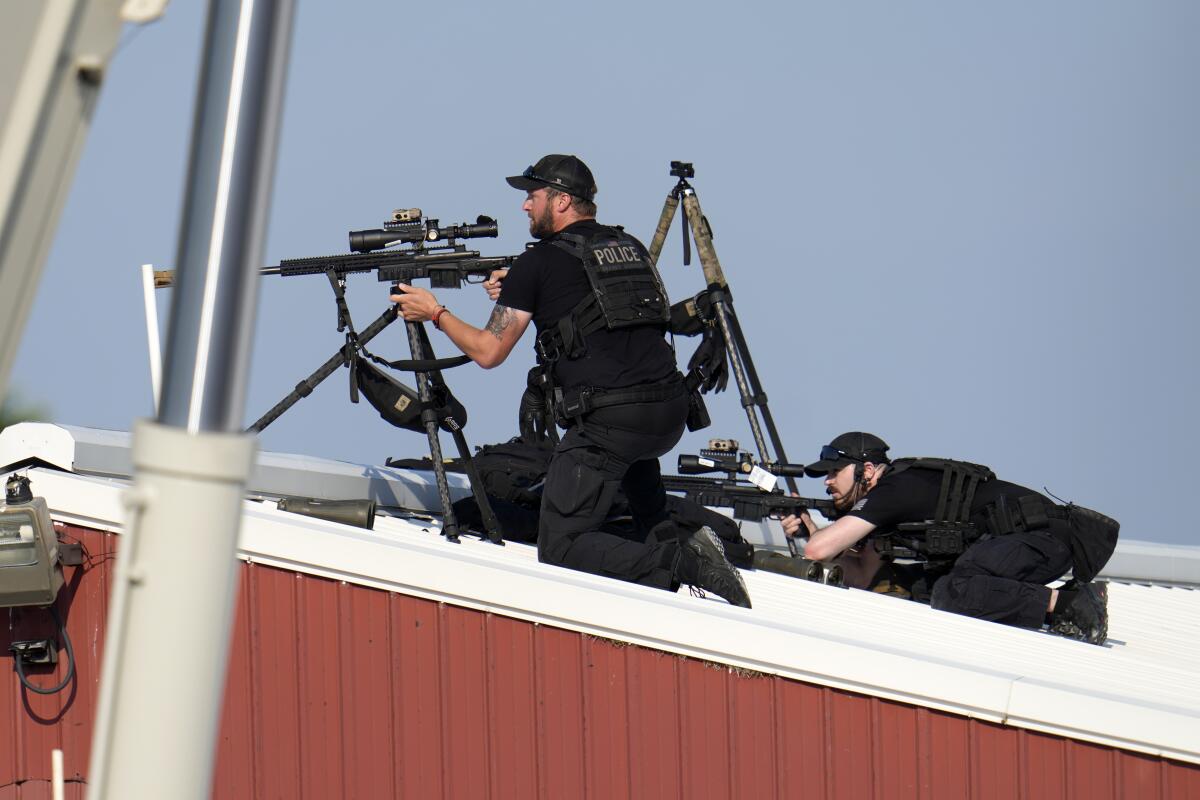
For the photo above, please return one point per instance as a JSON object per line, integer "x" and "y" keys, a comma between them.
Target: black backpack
{"x": 512, "y": 473}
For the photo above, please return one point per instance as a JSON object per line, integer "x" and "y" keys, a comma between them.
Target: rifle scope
{"x": 700, "y": 465}
{"x": 365, "y": 241}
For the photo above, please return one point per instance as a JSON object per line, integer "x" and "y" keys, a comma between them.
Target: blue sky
{"x": 969, "y": 229}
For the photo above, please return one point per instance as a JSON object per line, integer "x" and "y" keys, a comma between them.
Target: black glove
{"x": 531, "y": 416}
{"x": 710, "y": 361}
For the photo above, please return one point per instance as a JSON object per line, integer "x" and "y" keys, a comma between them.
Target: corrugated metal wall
{"x": 341, "y": 691}
{"x": 32, "y": 725}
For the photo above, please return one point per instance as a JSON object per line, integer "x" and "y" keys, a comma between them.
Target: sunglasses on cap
{"x": 532, "y": 175}
{"x": 831, "y": 453}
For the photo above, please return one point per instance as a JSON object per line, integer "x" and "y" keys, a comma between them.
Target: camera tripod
{"x": 753, "y": 398}
{"x": 428, "y": 371}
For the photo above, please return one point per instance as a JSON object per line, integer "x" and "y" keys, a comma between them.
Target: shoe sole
{"x": 706, "y": 539}
{"x": 1097, "y": 595}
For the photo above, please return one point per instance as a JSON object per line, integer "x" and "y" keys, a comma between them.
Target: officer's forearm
{"x": 480, "y": 346}
{"x": 833, "y": 539}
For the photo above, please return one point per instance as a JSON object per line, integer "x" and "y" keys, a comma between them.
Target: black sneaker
{"x": 1086, "y": 617}
{"x": 712, "y": 571}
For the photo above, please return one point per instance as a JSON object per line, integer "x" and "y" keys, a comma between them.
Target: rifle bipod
{"x": 753, "y": 398}
{"x": 428, "y": 371}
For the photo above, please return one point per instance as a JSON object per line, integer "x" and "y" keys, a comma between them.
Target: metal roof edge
{"x": 26, "y": 441}
{"x": 101, "y": 452}
{"x": 1172, "y": 564}
{"x": 98, "y": 452}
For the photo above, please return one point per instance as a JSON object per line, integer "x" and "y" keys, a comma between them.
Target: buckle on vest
{"x": 547, "y": 347}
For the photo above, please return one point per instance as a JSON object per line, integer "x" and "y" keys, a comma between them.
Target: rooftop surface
{"x": 1141, "y": 691}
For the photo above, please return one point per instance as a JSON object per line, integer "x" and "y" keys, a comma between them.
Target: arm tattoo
{"x": 502, "y": 317}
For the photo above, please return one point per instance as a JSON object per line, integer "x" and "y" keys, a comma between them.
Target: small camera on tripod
{"x": 682, "y": 169}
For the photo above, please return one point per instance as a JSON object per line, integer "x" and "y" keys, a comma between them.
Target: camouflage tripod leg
{"x": 715, "y": 278}
{"x": 735, "y": 345}
{"x": 664, "y": 225}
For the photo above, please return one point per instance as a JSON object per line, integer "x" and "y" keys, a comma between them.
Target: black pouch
{"x": 1093, "y": 539}
{"x": 571, "y": 404}
{"x": 697, "y": 416}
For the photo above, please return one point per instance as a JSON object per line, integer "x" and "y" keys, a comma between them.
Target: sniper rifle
{"x": 447, "y": 265}
{"x": 753, "y": 498}
{"x": 430, "y": 253}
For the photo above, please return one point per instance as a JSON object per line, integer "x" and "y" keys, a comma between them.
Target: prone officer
{"x": 1002, "y": 543}
{"x": 601, "y": 314}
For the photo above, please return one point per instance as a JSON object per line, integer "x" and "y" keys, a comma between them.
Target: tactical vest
{"x": 950, "y": 532}
{"x": 1090, "y": 535}
{"x": 626, "y": 292}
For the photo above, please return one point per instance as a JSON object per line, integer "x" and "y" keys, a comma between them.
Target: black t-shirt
{"x": 549, "y": 282}
{"x": 911, "y": 495}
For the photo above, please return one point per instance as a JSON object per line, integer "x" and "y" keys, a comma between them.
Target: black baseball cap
{"x": 855, "y": 447}
{"x": 564, "y": 173}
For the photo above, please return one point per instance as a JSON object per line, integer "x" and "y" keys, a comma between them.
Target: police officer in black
{"x": 1001, "y": 543}
{"x": 601, "y": 314}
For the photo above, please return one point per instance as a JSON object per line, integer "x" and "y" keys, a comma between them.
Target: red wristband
{"x": 437, "y": 315}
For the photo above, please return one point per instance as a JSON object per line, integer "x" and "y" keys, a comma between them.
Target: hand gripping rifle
{"x": 430, "y": 253}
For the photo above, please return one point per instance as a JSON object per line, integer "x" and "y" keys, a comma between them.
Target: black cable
{"x": 19, "y": 661}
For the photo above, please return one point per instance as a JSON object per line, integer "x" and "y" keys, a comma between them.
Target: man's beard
{"x": 847, "y": 500}
{"x": 542, "y": 226}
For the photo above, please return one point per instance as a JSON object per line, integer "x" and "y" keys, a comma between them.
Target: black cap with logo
{"x": 855, "y": 447}
{"x": 564, "y": 173}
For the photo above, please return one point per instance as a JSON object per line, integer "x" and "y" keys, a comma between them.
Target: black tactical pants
{"x": 1004, "y": 579}
{"x": 610, "y": 448}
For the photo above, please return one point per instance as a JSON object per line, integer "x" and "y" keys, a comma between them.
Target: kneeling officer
{"x": 601, "y": 314}
{"x": 1001, "y": 543}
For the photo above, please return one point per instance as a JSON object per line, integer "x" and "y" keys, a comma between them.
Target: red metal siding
{"x": 339, "y": 691}
{"x": 32, "y": 725}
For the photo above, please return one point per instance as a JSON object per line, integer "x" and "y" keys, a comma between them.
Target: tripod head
{"x": 682, "y": 169}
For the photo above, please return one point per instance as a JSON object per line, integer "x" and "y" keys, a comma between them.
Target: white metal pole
{"x": 175, "y": 589}
{"x": 56, "y": 774}
{"x": 153, "y": 341}
{"x": 56, "y": 52}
